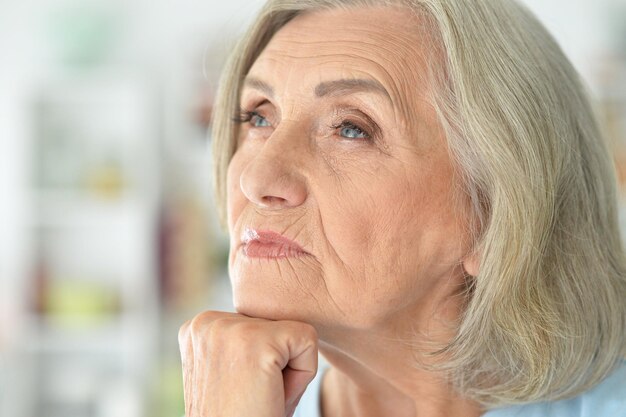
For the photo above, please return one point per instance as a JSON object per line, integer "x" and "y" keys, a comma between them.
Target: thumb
{"x": 299, "y": 372}
{"x": 295, "y": 382}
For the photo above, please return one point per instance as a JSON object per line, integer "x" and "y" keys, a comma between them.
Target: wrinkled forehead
{"x": 389, "y": 45}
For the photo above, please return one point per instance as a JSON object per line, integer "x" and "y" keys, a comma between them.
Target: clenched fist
{"x": 239, "y": 366}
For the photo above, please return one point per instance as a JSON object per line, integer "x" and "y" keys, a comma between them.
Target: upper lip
{"x": 268, "y": 236}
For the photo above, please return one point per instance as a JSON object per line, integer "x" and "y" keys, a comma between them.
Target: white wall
{"x": 583, "y": 28}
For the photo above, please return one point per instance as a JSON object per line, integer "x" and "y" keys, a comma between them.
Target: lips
{"x": 269, "y": 244}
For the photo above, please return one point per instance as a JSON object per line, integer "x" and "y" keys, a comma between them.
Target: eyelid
{"x": 352, "y": 124}
{"x": 260, "y": 104}
{"x": 245, "y": 114}
{"x": 361, "y": 120}
{"x": 341, "y": 115}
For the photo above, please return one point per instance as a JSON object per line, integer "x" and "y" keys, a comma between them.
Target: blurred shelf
{"x": 105, "y": 335}
{"x": 93, "y": 157}
{"x": 72, "y": 209}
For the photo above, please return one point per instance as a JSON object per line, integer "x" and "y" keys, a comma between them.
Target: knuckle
{"x": 235, "y": 336}
{"x": 247, "y": 335}
{"x": 221, "y": 325}
{"x": 232, "y": 331}
{"x": 216, "y": 334}
{"x": 210, "y": 315}
{"x": 196, "y": 326}
{"x": 307, "y": 331}
{"x": 183, "y": 332}
{"x": 203, "y": 321}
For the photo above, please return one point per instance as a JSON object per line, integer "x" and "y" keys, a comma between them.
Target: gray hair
{"x": 545, "y": 318}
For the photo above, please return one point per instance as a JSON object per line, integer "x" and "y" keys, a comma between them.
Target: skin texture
{"x": 388, "y": 247}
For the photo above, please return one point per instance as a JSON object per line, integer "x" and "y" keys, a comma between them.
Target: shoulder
{"x": 607, "y": 399}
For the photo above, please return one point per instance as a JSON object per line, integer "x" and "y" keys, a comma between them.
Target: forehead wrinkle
{"x": 407, "y": 30}
{"x": 402, "y": 57}
{"x": 359, "y": 44}
{"x": 405, "y": 22}
{"x": 361, "y": 50}
{"x": 400, "y": 105}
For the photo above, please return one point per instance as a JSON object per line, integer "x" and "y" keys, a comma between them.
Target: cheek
{"x": 389, "y": 228}
{"x": 235, "y": 200}
{"x": 377, "y": 222}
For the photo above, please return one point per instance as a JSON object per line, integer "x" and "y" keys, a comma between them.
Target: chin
{"x": 267, "y": 303}
{"x": 268, "y": 290}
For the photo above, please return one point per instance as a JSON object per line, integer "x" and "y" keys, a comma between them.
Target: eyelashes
{"x": 351, "y": 130}
{"x": 244, "y": 116}
{"x": 346, "y": 128}
{"x": 255, "y": 119}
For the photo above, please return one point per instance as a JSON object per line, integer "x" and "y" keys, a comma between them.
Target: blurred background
{"x": 108, "y": 234}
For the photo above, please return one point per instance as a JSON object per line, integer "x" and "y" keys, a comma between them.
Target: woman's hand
{"x": 239, "y": 366}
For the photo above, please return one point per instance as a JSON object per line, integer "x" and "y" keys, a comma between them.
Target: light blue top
{"x": 607, "y": 399}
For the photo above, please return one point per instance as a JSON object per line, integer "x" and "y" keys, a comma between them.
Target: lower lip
{"x": 256, "y": 249}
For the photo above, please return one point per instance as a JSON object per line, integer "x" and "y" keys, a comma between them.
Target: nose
{"x": 272, "y": 178}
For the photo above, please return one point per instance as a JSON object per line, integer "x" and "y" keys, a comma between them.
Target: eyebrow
{"x": 348, "y": 86}
{"x": 260, "y": 85}
{"x": 334, "y": 88}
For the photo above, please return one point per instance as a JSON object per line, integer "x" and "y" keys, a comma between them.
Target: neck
{"x": 374, "y": 373}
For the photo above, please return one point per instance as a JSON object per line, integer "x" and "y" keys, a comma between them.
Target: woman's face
{"x": 341, "y": 152}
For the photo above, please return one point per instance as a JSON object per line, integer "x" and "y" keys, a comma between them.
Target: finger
{"x": 302, "y": 364}
{"x": 212, "y": 341}
{"x": 295, "y": 383}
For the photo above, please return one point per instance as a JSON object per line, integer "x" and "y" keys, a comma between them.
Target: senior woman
{"x": 419, "y": 191}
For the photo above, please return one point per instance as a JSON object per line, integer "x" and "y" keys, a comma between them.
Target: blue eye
{"x": 351, "y": 131}
{"x": 257, "y": 120}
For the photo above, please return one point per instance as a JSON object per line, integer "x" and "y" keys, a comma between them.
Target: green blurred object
{"x": 84, "y": 33}
{"x": 168, "y": 395}
{"x": 73, "y": 302}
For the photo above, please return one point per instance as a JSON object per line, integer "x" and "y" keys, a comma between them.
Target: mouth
{"x": 269, "y": 244}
